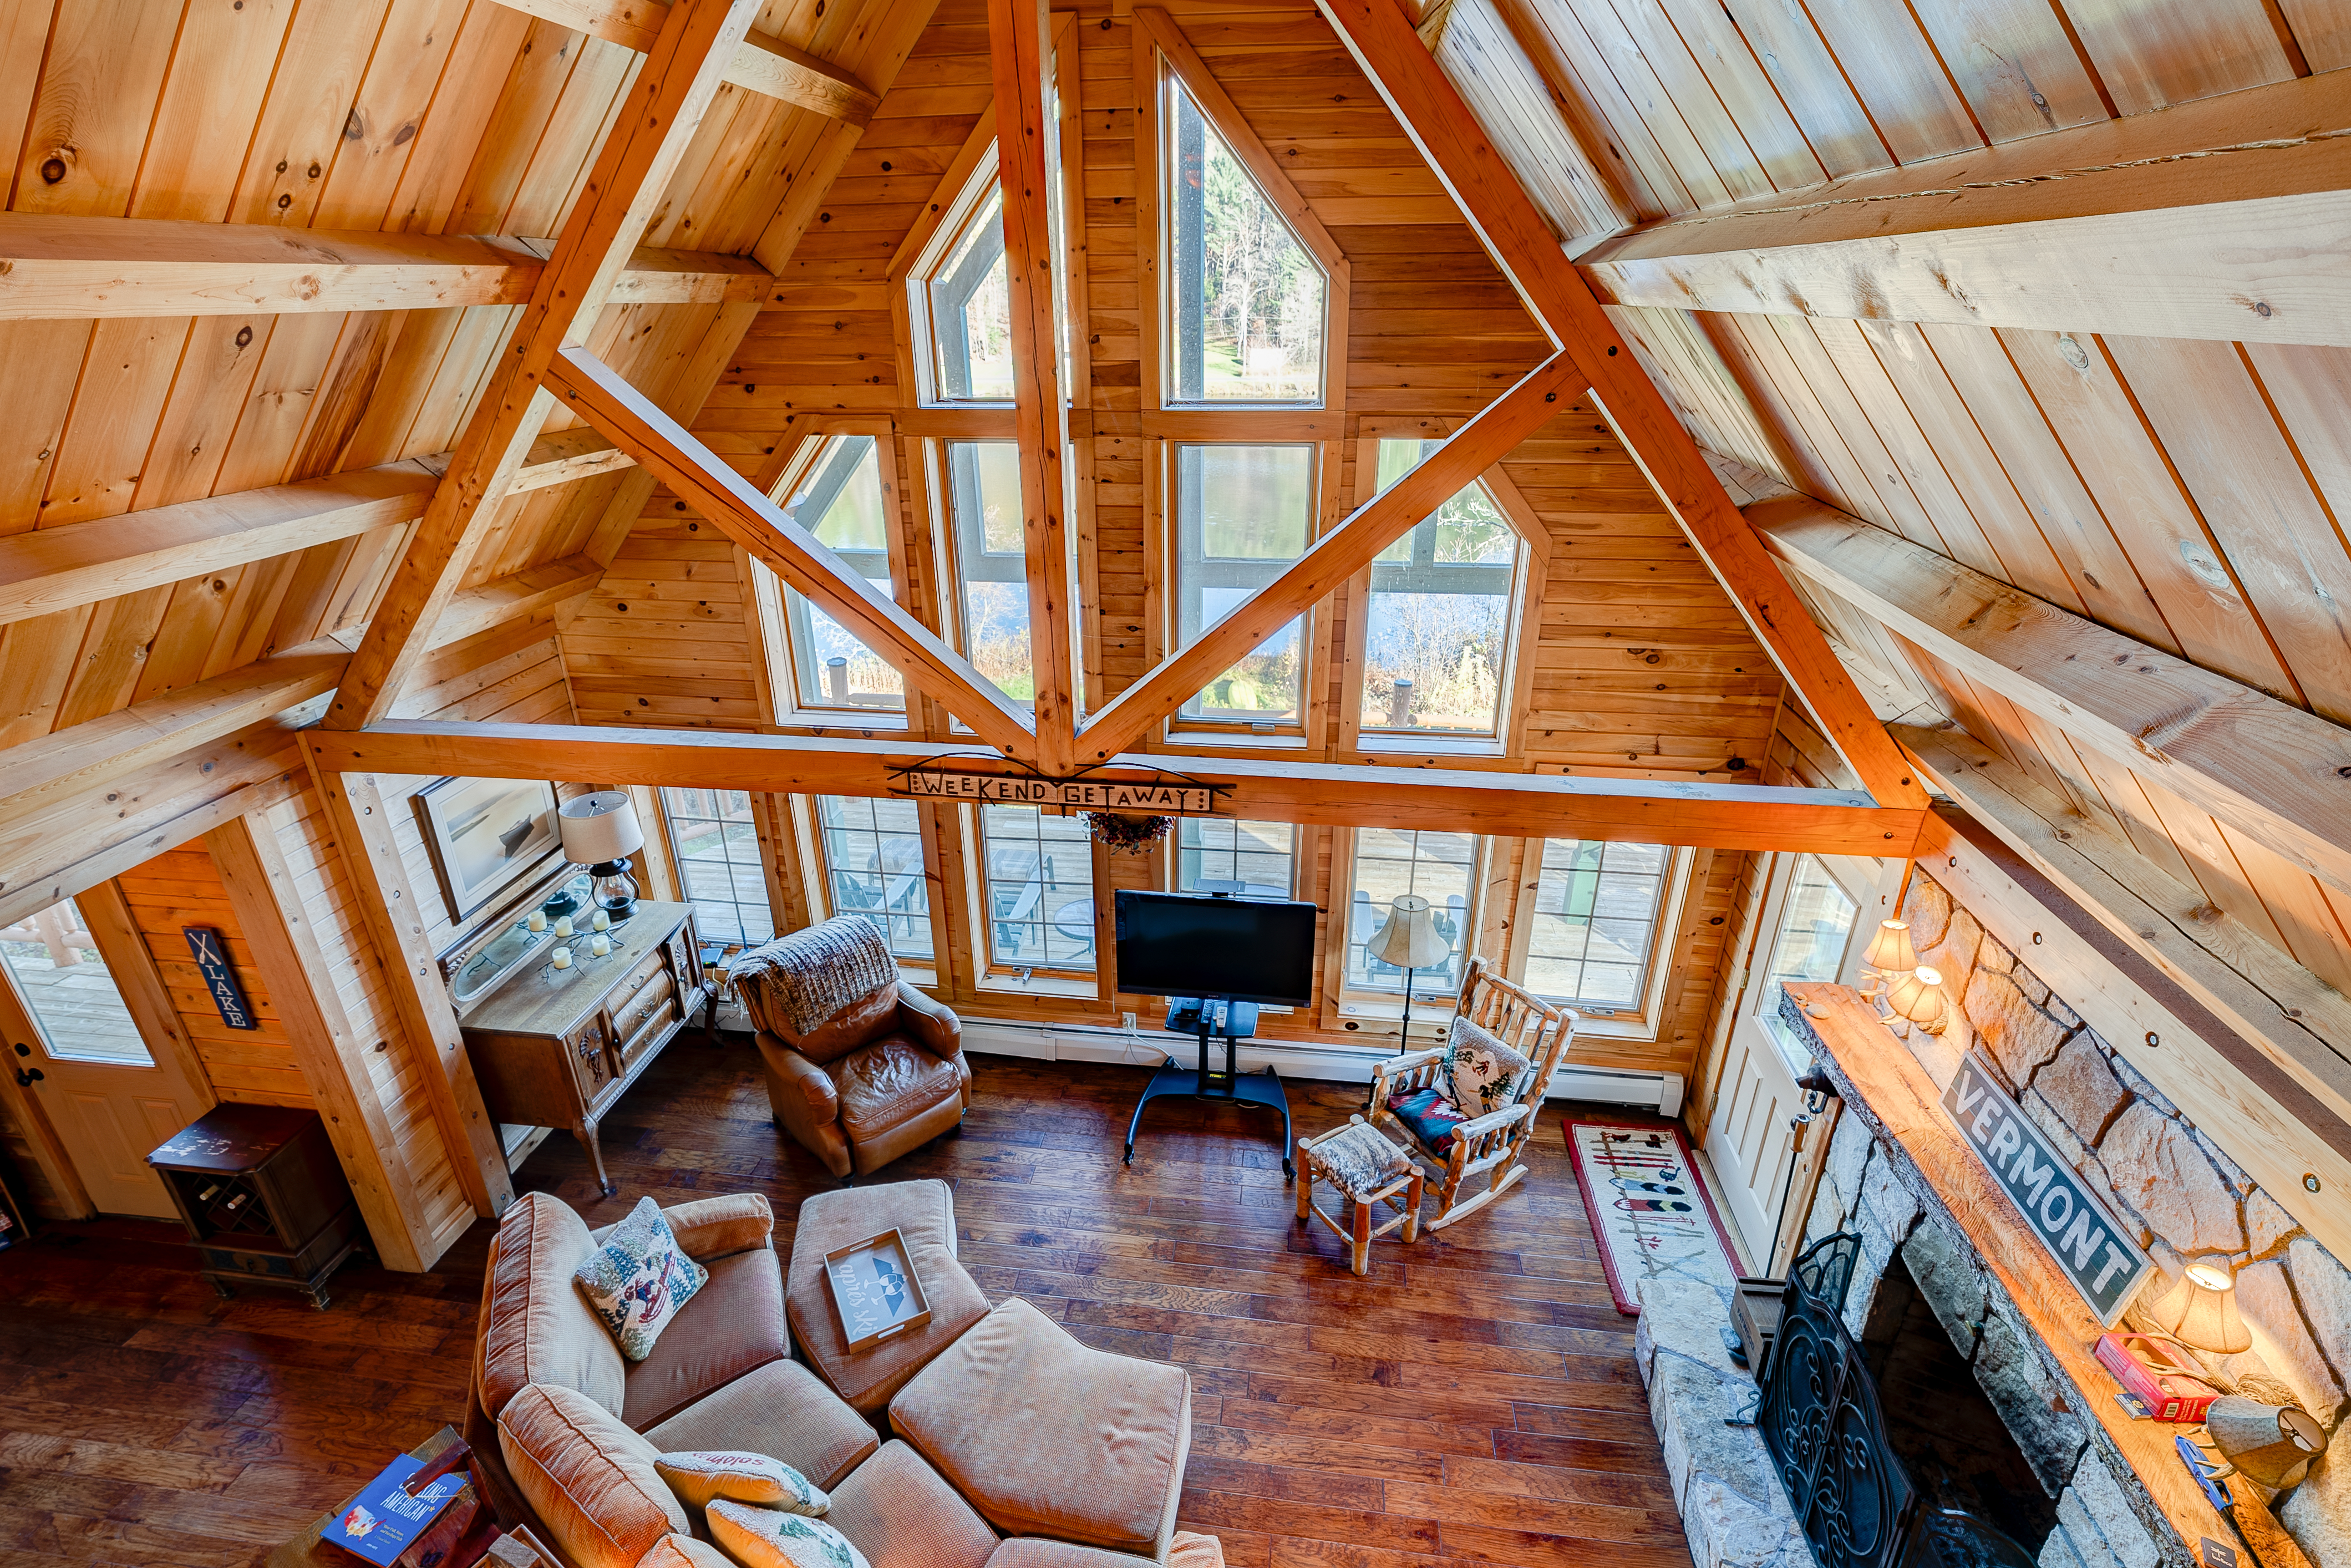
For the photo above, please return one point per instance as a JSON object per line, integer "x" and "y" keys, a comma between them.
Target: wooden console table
{"x": 555, "y": 1048}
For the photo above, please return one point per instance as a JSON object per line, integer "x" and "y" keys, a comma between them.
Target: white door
{"x": 1810, "y": 914}
{"x": 73, "y": 1041}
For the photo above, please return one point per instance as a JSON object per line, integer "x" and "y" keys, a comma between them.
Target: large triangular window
{"x": 1245, "y": 303}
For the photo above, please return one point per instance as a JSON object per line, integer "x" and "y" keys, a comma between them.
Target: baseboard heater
{"x": 1147, "y": 1048}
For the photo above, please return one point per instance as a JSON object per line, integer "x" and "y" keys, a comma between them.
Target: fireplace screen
{"x": 1820, "y": 1419}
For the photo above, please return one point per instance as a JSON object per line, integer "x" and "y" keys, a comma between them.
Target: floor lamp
{"x": 1409, "y": 941}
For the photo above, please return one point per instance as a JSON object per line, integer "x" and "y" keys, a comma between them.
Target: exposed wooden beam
{"x": 1725, "y": 816}
{"x": 762, "y": 62}
{"x": 533, "y": 591}
{"x": 2257, "y": 1044}
{"x": 2218, "y": 219}
{"x": 708, "y": 484}
{"x": 2280, "y": 774}
{"x": 655, "y": 123}
{"x": 1028, "y": 173}
{"x": 79, "y": 563}
{"x": 1337, "y": 557}
{"x": 53, "y": 266}
{"x": 1432, "y": 112}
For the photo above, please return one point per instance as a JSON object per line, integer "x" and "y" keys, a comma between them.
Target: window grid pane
{"x": 971, "y": 312}
{"x": 841, "y": 502}
{"x": 1815, "y": 923}
{"x": 1439, "y": 624}
{"x": 1440, "y": 868}
{"x": 1260, "y": 856}
{"x": 1039, "y": 872}
{"x": 984, "y": 502}
{"x": 1595, "y": 922}
{"x": 717, "y": 848}
{"x": 68, "y": 988}
{"x": 874, "y": 870}
{"x": 1242, "y": 515}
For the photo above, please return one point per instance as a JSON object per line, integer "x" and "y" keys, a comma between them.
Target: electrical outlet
{"x": 1129, "y": 1019}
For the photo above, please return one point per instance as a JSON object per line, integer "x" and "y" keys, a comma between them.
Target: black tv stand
{"x": 1234, "y": 1021}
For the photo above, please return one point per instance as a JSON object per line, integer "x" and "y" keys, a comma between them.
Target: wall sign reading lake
{"x": 2094, "y": 1252}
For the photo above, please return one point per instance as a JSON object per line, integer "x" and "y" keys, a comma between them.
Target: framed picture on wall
{"x": 485, "y": 833}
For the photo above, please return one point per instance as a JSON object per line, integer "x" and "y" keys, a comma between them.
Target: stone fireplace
{"x": 1945, "y": 1254}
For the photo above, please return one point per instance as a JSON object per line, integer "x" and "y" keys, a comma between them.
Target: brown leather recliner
{"x": 870, "y": 1081}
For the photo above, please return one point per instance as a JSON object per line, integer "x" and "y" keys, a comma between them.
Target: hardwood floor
{"x": 1473, "y": 1400}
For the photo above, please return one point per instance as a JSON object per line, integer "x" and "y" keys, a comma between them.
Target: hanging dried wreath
{"x": 1124, "y": 834}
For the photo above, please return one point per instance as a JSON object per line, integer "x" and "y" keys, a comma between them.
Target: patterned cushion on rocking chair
{"x": 1480, "y": 1072}
{"x": 1429, "y": 1115}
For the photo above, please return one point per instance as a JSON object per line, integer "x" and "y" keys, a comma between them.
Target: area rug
{"x": 1649, "y": 1209}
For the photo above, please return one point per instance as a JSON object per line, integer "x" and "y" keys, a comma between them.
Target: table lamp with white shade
{"x": 1409, "y": 941}
{"x": 601, "y": 831}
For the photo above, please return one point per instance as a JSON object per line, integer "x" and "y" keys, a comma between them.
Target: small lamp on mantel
{"x": 1409, "y": 941}
{"x": 1890, "y": 956}
{"x": 601, "y": 831}
{"x": 2200, "y": 1311}
{"x": 2273, "y": 1444}
{"x": 1916, "y": 1000}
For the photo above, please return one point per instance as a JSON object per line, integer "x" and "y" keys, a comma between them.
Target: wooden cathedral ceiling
{"x": 2039, "y": 393}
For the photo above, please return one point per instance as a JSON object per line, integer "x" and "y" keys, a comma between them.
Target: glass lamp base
{"x": 612, "y": 890}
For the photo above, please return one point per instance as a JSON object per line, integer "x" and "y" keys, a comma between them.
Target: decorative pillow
{"x": 639, "y": 1278}
{"x": 700, "y": 1475}
{"x": 1480, "y": 1073}
{"x": 1430, "y": 1115}
{"x": 763, "y": 1538}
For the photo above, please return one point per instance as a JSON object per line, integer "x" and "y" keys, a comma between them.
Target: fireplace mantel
{"x": 1886, "y": 1086}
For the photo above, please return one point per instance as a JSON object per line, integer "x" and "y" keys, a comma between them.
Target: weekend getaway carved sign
{"x": 1158, "y": 797}
{"x": 2092, "y": 1251}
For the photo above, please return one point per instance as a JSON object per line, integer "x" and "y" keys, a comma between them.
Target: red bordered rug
{"x": 1650, "y": 1208}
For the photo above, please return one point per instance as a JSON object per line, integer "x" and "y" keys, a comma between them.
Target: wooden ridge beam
{"x": 2239, "y": 1028}
{"x": 1430, "y": 109}
{"x": 2267, "y": 768}
{"x": 653, "y": 125}
{"x": 761, "y": 62}
{"x": 53, "y": 266}
{"x": 1724, "y": 816}
{"x": 710, "y": 486}
{"x": 2217, "y": 219}
{"x": 1335, "y": 558}
{"x": 544, "y": 589}
{"x": 1027, "y": 175}
{"x": 80, "y": 563}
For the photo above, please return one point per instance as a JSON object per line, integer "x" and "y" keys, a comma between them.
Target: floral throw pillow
{"x": 763, "y": 1538}
{"x": 637, "y": 1278}
{"x": 1481, "y": 1073}
{"x": 701, "y": 1477}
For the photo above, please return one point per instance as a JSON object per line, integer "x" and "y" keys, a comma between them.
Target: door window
{"x": 67, "y": 986}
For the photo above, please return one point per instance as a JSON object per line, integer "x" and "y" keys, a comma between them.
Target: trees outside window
{"x": 1039, "y": 895}
{"x": 1242, "y": 515}
{"x": 1443, "y": 612}
{"x": 1262, "y": 857}
{"x": 1441, "y": 868}
{"x": 1593, "y": 929}
{"x": 1246, "y": 301}
{"x": 991, "y": 566}
{"x": 840, "y": 498}
{"x": 873, "y": 869}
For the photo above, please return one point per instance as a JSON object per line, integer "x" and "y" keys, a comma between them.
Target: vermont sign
{"x": 1167, "y": 797}
{"x": 2093, "y": 1251}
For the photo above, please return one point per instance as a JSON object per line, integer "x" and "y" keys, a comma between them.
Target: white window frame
{"x": 987, "y": 974}
{"x": 1647, "y": 1021}
{"x": 778, "y": 647}
{"x": 816, "y": 876}
{"x": 922, "y": 331}
{"x": 1171, "y": 872}
{"x": 777, "y": 921}
{"x": 1348, "y": 1001}
{"x": 1313, "y": 659}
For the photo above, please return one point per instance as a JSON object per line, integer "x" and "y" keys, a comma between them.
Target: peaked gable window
{"x": 1246, "y": 301}
{"x": 1442, "y": 614}
{"x": 841, "y": 497}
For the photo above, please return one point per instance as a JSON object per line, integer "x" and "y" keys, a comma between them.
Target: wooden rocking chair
{"x": 1487, "y": 1145}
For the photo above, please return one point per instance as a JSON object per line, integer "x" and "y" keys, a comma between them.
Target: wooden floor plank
{"x": 1472, "y": 1400}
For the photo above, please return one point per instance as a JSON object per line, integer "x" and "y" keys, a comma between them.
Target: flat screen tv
{"x": 1194, "y": 945}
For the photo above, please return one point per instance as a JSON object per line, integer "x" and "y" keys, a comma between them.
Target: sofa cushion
{"x": 700, "y": 1474}
{"x": 536, "y": 1327}
{"x": 638, "y": 1278}
{"x": 770, "y": 1537}
{"x": 887, "y": 1081}
{"x": 1189, "y": 1551}
{"x": 780, "y": 1409}
{"x": 902, "y": 1514}
{"x": 708, "y": 1227}
{"x": 681, "y": 1551}
{"x": 736, "y": 1323}
{"x": 1047, "y": 1436}
{"x": 923, "y": 1212}
{"x": 591, "y": 1479}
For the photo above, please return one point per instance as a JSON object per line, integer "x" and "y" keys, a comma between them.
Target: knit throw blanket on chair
{"x": 800, "y": 980}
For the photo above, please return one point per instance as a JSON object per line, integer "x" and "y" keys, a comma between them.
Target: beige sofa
{"x": 1011, "y": 1430}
